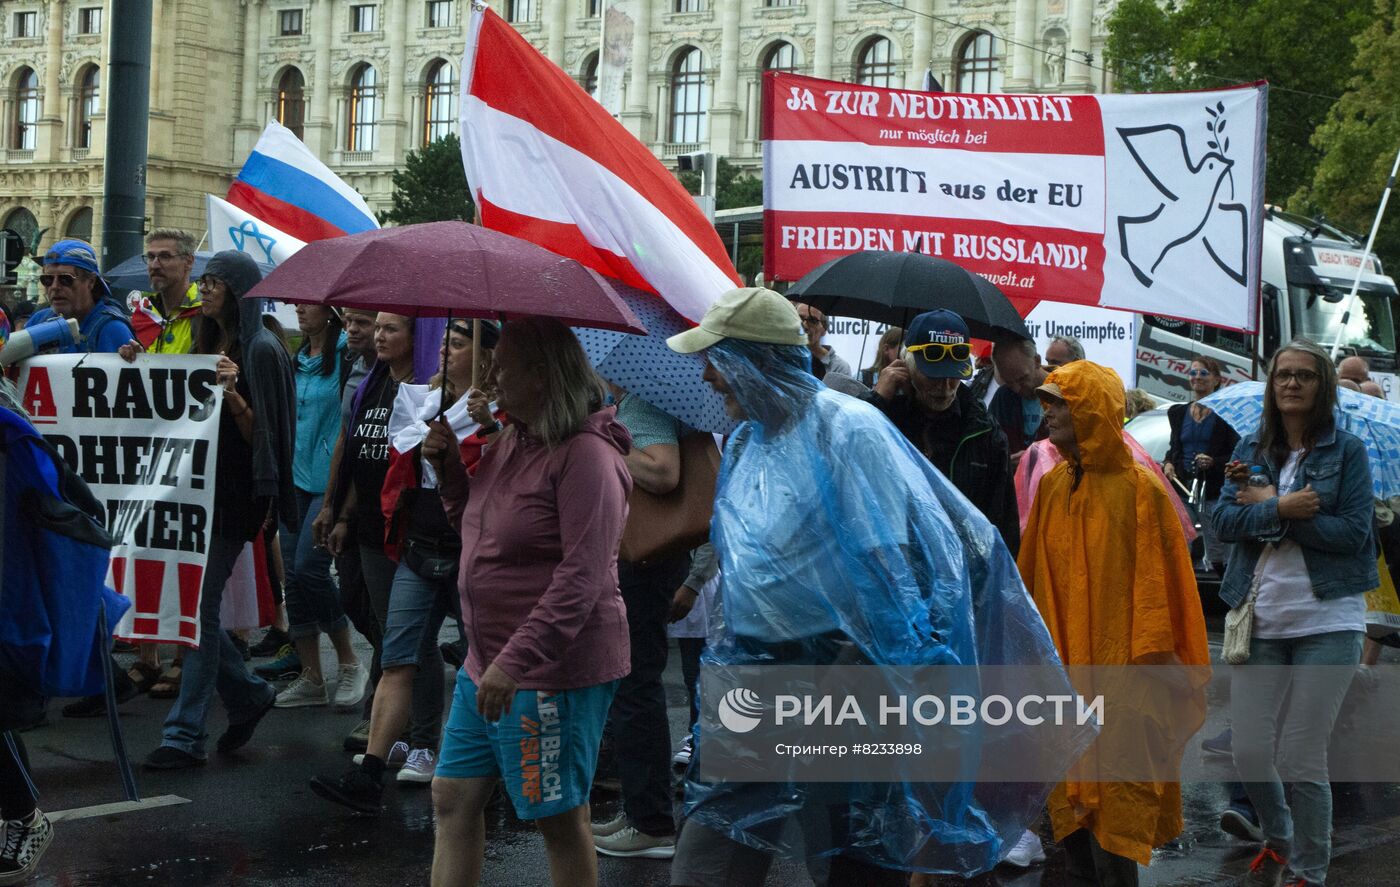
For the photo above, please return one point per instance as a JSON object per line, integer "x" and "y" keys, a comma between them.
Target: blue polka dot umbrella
{"x": 1375, "y": 421}
{"x": 643, "y": 365}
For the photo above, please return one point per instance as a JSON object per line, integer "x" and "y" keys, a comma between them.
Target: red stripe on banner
{"x": 191, "y": 576}
{"x": 282, "y": 215}
{"x": 513, "y": 77}
{"x": 119, "y": 575}
{"x": 810, "y": 109}
{"x": 1053, "y": 264}
{"x": 563, "y": 239}
{"x": 150, "y": 578}
{"x": 267, "y": 607}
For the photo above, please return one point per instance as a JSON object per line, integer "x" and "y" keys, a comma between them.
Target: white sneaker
{"x": 611, "y": 827}
{"x": 24, "y": 845}
{"x": 630, "y": 843}
{"x": 398, "y": 756}
{"x": 1027, "y": 851}
{"x": 421, "y": 764}
{"x": 302, "y": 692}
{"x": 682, "y": 756}
{"x": 350, "y": 685}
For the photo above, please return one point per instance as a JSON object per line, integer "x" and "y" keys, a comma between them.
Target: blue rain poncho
{"x": 839, "y": 543}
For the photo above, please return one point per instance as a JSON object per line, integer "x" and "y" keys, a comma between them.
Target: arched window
{"x": 26, "y": 110}
{"x": 979, "y": 67}
{"x": 364, "y": 109}
{"x": 440, "y": 102}
{"x": 780, "y": 57}
{"x": 588, "y": 76}
{"x": 876, "y": 66}
{"x": 22, "y": 222}
{"x": 80, "y": 225}
{"x": 88, "y": 85}
{"x": 690, "y": 97}
{"x": 291, "y": 100}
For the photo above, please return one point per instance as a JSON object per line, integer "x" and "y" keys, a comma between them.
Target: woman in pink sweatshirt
{"x": 546, "y": 628}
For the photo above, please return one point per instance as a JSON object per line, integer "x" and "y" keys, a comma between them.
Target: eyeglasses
{"x": 811, "y": 321}
{"x": 1302, "y": 377}
{"x": 162, "y": 258}
{"x": 208, "y": 283}
{"x": 1196, "y": 374}
{"x": 936, "y": 351}
{"x": 48, "y": 280}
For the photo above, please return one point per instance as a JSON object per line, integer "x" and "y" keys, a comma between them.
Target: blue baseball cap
{"x": 950, "y": 354}
{"x": 77, "y": 254}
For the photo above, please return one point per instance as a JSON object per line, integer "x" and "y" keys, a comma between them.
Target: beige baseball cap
{"x": 752, "y": 314}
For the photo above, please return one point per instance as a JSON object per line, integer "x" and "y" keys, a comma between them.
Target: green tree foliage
{"x": 1359, "y": 139}
{"x": 733, "y": 187}
{"x": 1305, "y": 46}
{"x": 432, "y": 186}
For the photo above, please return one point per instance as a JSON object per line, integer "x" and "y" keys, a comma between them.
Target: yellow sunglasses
{"x": 936, "y": 351}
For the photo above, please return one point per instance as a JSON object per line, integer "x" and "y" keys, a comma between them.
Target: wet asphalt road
{"x": 250, "y": 819}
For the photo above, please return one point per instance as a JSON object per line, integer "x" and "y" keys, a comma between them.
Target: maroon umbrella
{"x": 447, "y": 268}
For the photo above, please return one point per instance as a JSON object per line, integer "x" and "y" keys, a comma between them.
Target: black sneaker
{"x": 237, "y": 735}
{"x": 169, "y": 758}
{"x": 96, "y": 706}
{"x": 25, "y": 843}
{"x": 274, "y": 640}
{"x": 241, "y": 646}
{"x": 355, "y": 789}
{"x": 453, "y": 653}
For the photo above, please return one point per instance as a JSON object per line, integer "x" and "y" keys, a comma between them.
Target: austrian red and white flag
{"x": 1147, "y": 203}
{"x": 548, "y": 164}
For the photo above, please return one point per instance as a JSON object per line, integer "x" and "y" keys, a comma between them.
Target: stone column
{"x": 923, "y": 44}
{"x": 245, "y": 133}
{"x": 1079, "y": 76}
{"x": 826, "y": 24}
{"x": 724, "y": 115}
{"x": 558, "y": 27}
{"x": 48, "y": 137}
{"x": 393, "y": 143}
{"x": 320, "y": 126}
{"x": 637, "y": 115}
{"x": 1024, "y": 57}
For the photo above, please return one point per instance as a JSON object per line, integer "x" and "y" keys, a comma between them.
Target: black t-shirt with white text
{"x": 369, "y": 452}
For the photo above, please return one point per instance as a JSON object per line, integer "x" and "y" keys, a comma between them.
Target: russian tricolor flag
{"x": 284, "y": 184}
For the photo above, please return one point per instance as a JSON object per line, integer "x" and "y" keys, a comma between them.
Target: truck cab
{"x": 1307, "y": 270}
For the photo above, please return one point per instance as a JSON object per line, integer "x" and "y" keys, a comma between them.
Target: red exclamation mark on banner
{"x": 150, "y": 579}
{"x": 138, "y": 625}
{"x": 191, "y": 575}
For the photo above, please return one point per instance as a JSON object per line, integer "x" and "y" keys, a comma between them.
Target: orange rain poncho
{"x": 1105, "y": 560}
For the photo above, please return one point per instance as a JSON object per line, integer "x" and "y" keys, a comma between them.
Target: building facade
{"x": 363, "y": 82}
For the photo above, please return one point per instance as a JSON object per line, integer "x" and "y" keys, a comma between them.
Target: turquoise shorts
{"x": 545, "y": 747}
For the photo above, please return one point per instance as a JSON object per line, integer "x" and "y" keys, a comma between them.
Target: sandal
{"x": 144, "y": 675}
{"x": 168, "y": 687}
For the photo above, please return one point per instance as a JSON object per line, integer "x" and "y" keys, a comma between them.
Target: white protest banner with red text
{"x": 1146, "y": 203}
{"x": 145, "y": 438}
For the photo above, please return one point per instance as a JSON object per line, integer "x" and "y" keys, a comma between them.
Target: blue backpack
{"x": 56, "y": 611}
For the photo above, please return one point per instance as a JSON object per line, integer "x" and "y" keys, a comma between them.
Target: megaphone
{"x": 37, "y": 337}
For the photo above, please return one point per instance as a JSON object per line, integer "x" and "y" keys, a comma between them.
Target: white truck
{"x": 1307, "y": 270}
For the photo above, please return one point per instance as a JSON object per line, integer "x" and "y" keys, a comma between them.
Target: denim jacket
{"x": 1338, "y": 542}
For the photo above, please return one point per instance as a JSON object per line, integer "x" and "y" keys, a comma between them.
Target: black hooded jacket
{"x": 267, "y": 367}
{"x": 969, "y": 448}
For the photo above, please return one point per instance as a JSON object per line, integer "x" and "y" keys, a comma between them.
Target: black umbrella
{"x": 890, "y": 287}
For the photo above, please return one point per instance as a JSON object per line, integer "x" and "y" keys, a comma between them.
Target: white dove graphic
{"x": 1189, "y": 193}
